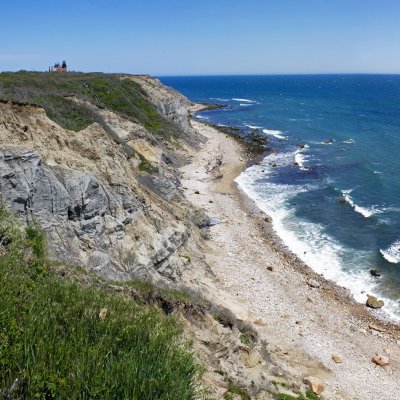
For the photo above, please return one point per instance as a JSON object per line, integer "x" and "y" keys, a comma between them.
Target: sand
{"x": 255, "y": 276}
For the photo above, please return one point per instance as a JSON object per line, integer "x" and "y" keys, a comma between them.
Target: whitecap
{"x": 253, "y": 126}
{"x": 246, "y": 104}
{"x": 349, "y": 141}
{"x": 365, "y": 212}
{"x": 392, "y": 253}
{"x": 244, "y": 100}
{"x": 277, "y": 134}
{"x": 300, "y": 159}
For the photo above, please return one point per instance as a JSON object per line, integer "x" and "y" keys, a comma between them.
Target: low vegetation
{"x": 310, "y": 395}
{"x": 52, "y": 91}
{"x": 62, "y": 339}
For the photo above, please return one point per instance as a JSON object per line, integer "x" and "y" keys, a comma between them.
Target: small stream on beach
{"x": 332, "y": 186}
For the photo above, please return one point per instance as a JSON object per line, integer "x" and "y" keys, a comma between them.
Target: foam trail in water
{"x": 218, "y": 99}
{"x": 277, "y": 134}
{"x": 201, "y": 117}
{"x": 300, "y": 160}
{"x": 361, "y": 210}
{"x": 253, "y": 126}
{"x": 244, "y": 100}
{"x": 392, "y": 254}
{"x": 307, "y": 240}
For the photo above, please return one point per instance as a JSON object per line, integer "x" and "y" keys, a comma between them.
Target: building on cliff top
{"x": 59, "y": 67}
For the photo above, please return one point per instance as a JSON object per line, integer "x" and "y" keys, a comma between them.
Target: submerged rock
{"x": 375, "y": 272}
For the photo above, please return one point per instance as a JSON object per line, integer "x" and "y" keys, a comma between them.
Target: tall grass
{"x": 62, "y": 340}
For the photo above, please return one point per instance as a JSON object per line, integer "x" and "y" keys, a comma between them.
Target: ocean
{"x": 332, "y": 186}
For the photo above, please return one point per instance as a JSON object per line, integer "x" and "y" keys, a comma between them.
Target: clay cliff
{"x": 108, "y": 197}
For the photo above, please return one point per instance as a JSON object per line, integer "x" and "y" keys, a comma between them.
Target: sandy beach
{"x": 304, "y": 320}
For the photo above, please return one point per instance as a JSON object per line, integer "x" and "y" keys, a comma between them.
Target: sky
{"x": 207, "y": 37}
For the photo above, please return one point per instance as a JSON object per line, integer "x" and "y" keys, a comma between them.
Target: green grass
{"x": 310, "y": 395}
{"x": 145, "y": 288}
{"x": 145, "y": 166}
{"x": 247, "y": 339}
{"x": 234, "y": 391}
{"x": 62, "y": 340}
{"x": 49, "y": 90}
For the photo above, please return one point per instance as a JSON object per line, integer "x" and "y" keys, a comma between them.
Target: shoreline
{"x": 254, "y": 154}
{"x": 262, "y": 280}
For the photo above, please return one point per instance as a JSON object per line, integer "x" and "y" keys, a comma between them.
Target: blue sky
{"x": 177, "y": 37}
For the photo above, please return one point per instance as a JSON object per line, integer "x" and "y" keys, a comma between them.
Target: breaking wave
{"x": 365, "y": 212}
{"x": 277, "y": 134}
{"x": 392, "y": 254}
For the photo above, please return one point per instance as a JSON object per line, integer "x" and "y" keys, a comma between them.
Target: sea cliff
{"x": 124, "y": 183}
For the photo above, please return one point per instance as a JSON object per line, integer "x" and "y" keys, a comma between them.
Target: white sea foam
{"x": 277, "y": 134}
{"x": 253, "y": 126}
{"x": 221, "y": 125}
{"x": 244, "y": 100}
{"x": 327, "y": 142}
{"x": 218, "y": 99}
{"x": 349, "y": 141}
{"x": 308, "y": 240}
{"x": 392, "y": 254}
{"x": 201, "y": 117}
{"x": 300, "y": 159}
{"x": 365, "y": 212}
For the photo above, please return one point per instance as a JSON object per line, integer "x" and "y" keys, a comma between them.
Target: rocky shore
{"x": 310, "y": 326}
{"x": 127, "y": 203}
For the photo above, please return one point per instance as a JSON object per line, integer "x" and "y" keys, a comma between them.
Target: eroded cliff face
{"x": 169, "y": 103}
{"x": 96, "y": 203}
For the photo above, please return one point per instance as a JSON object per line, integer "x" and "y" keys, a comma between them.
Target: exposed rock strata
{"x": 96, "y": 206}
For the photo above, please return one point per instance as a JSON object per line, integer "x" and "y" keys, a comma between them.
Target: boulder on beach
{"x": 373, "y": 302}
{"x": 381, "y": 361}
{"x": 313, "y": 283}
{"x": 337, "y": 359}
{"x": 315, "y": 384}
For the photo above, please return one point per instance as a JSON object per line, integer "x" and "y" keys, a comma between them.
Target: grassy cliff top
{"x": 53, "y": 92}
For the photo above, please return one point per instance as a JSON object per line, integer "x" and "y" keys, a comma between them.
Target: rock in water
{"x": 373, "y": 302}
{"x": 315, "y": 384}
{"x": 375, "y": 272}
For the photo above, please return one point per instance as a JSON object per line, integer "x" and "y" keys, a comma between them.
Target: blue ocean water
{"x": 336, "y": 136}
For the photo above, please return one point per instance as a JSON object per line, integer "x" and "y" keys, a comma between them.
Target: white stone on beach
{"x": 313, "y": 283}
